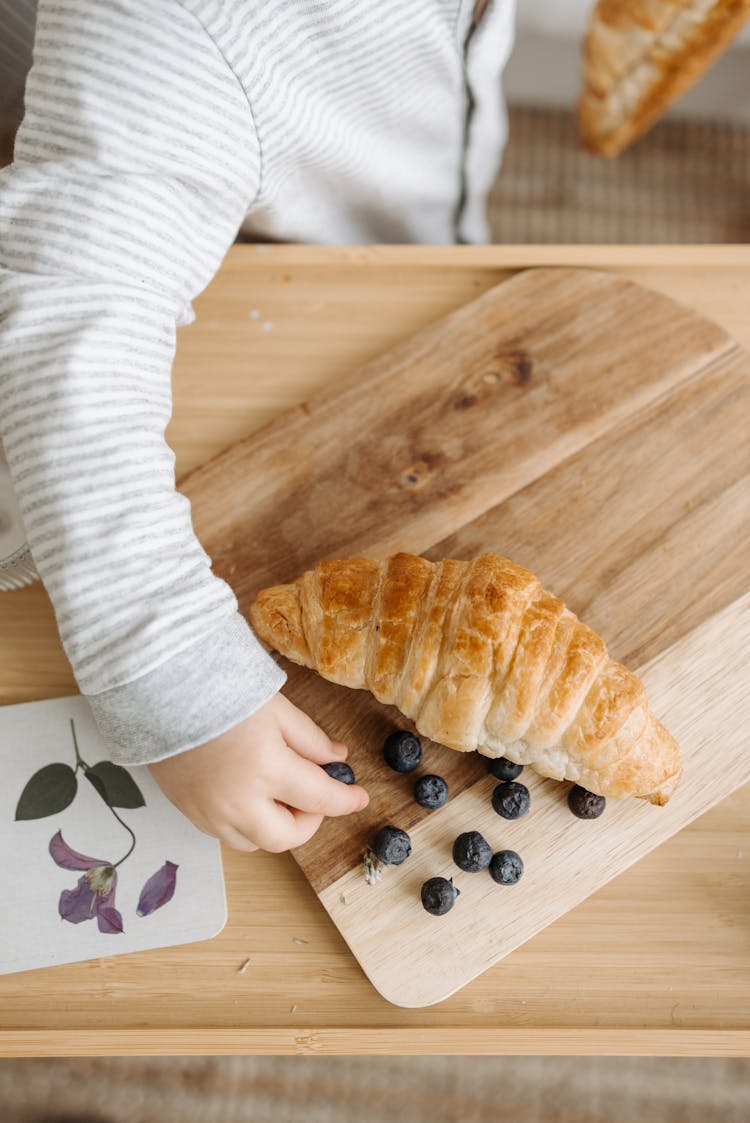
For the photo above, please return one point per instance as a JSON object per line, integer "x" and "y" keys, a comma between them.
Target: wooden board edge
{"x": 416, "y": 1040}
{"x": 658, "y": 673}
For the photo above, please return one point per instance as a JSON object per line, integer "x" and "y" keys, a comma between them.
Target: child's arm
{"x": 134, "y": 166}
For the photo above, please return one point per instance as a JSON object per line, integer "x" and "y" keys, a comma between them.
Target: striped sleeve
{"x": 134, "y": 166}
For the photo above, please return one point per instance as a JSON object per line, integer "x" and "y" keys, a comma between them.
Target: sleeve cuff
{"x": 201, "y": 692}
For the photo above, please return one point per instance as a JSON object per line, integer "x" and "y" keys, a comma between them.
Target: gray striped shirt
{"x": 155, "y": 130}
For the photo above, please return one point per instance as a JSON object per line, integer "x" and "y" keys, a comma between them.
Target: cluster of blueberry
{"x": 402, "y": 751}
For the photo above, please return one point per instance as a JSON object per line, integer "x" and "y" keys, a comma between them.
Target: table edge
{"x": 373, "y": 1041}
{"x": 516, "y": 256}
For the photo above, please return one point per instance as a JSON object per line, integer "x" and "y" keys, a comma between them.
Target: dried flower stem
{"x": 98, "y": 787}
{"x": 373, "y": 866}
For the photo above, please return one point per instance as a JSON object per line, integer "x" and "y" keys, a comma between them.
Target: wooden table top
{"x": 618, "y": 974}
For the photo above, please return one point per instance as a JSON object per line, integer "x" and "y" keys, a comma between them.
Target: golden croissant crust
{"x": 479, "y": 656}
{"x": 641, "y": 55}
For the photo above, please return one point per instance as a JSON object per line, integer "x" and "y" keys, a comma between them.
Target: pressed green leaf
{"x": 51, "y": 789}
{"x": 115, "y": 785}
{"x": 97, "y": 784}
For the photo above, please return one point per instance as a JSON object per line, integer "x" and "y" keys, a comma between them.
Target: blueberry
{"x": 439, "y": 895}
{"x": 504, "y": 769}
{"x": 472, "y": 852}
{"x": 506, "y": 867}
{"x": 584, "y": 804}
{"x": 431, "y": 791}
{"x": 511, "y": 800}
{"x": 402, "y": 751}
{"x": 392, "y": 846}
{"x": 339, "y": 770}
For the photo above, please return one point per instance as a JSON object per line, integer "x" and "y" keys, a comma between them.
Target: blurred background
{"x": 375, "y": 1090}
{"x": 687, "y": 180}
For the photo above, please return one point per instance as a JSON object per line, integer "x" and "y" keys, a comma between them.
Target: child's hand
{"x": 260, "y": 784}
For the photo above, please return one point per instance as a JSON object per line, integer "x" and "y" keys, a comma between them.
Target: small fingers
{"x": 235, "y": 839}
{"x": 280, "y": 828}
{"x": 305, "y": 737}
{"x": 307, "y": 787}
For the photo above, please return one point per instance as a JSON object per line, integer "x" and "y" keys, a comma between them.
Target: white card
{"x": 51, "y": 913}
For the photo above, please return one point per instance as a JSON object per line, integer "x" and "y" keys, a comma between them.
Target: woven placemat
{"x": 375, "y": 1090}
{"x": 687, "y": 181}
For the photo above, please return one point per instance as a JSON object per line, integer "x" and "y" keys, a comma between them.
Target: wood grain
{"x": 649, "y": 523}
{"x": 444, "y": 425}
{"x": 591, "y": 407}
{"x": 380, "y": 1041}
{"x": 669, "y": 977}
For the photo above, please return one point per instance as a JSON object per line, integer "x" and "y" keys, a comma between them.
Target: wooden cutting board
{"x": 589, "y": 429}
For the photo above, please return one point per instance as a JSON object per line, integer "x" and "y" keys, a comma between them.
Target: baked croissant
{"x": 479, "y": 656}
{"x": 639, "y": 56}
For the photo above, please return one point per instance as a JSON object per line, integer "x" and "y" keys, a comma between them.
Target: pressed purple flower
{"x": 109, "y": 920}
{"x": 77, "y": 904}
{"x": 71, "y": 859}
{"x": 101, "y": 879}
{"x": 158, "y": 889}
{"x": 94, "y": 895}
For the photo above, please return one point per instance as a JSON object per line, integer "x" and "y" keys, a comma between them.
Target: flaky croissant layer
{"x": 479, "y": 656}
